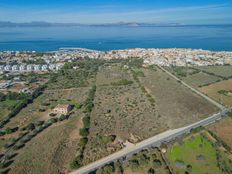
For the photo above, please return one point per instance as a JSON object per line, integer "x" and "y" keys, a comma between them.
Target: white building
{"x": 37, "y": 67}
{"x": 22, "y": 67}
{"x": 30, "y": 67}
{"x": 44, "y": 67}
{"x": 15, "y": 68}
{"x": 8, "y": 68}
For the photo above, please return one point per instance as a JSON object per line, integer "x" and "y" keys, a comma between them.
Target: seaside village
{"x": 19, "y": 64}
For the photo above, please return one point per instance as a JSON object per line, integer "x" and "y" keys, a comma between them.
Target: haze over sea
{"x": 108, "y": 38}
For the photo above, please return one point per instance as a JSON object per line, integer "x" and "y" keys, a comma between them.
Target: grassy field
{"x": 193, "y": 76}
{"x": 200, "y": 79}
{"x": 197, "y": 155}
{"x": 182, "y": 72}
{"x": 51, "y": 151}
{"x": 109, "y": 74}
{"x": 223, "y": 129}
{"x": 176, "y": 105}
{"x": 223, "y": 71}
{"x": 5, "y": 107}
{"x": 216, "y": 92}
{"x": 47, "y": 101}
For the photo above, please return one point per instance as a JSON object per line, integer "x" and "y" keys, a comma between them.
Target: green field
{"x": 194, "y": 76}
{"x": 201, "y": 79}
{"x": 5, "y": 107}
{"x": 199, "y": 153}
{"x": 223, "y": 71}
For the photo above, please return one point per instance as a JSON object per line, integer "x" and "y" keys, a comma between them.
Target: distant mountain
{"x": 119, "y": 24}
{"x": 48, "y": 24}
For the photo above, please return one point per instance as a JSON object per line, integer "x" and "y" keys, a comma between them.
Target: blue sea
{"x": 108, "y": 38}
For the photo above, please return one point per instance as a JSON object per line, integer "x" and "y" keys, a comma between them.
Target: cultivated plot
{"x": 221, "y": 92}
{"x": 223, "y": 71}
{"x": 198, "y": 154}
{"x": 223, "y": 129}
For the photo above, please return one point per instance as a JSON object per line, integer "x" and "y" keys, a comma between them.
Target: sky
{"x": 111, "y": 11}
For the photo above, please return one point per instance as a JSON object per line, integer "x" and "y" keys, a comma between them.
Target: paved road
{"x": 151, "y": 142}
{"x": 194, "y": 90}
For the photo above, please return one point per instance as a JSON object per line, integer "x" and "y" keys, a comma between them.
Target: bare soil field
{"x": 214, "y": 92}
{"x": 47, "y": 102}
{"x": 51, "y": 151}
{"x": 176, "y": 104}
{"x": 223, "y": 129}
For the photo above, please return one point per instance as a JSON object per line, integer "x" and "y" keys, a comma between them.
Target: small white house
{"x": 7, "y": 67}
{"x": 22, "y": 67}
{"x": 44, "y": 67}
{"x": 15, "y": 68}
{"x": 30, "y": 67}
{"x": 37, "y": 67}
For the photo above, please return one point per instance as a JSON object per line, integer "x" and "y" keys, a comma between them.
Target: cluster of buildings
{"x": 165, "y": 57}
{"x": 30, "y": 67}
{"x": 175, "y": 57}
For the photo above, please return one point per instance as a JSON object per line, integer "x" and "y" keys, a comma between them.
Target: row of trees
{"x": 84, "y": 132}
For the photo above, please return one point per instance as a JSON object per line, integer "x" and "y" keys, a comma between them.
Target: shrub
{"x": 151, "y": 171}
{"x": 30, "y": 126}
{"x": 83, "y": 141}
{"x": 157, "y": 163}
{"x": 52, "y": 114}
{"x": 39, "y": 123}
{"x": 53, "y": 120}
{"x": 84, "y": 132}
{"x": 122, "y": 82}
{"x": 86, "y": 121}
{"x": 42, "y": 110}
{"x": 63, "y": 117}
{"x": 75, "y": 164}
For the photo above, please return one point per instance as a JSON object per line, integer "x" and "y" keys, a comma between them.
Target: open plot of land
{"x": 181, "y": 71}
{"x": 47, "y": 102}
{"x": 221, "y": 91}
{"x": 122, "y": 111}
{"x": 223, "y": 71}
{"x": 176, "y": 104}
{"x": 198, "y": 155}
{"x": 223, "y": 130}
{"x": 200, "y": 79}
{"x": 193, "y": 76}
{"x": 112, "y": 73}
{"x": 50, "y": 151}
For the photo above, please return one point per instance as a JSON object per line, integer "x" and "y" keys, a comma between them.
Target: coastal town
{"x": 17, "y": 61}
